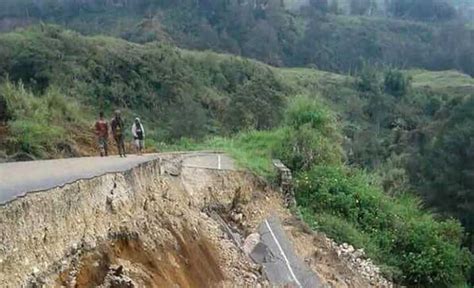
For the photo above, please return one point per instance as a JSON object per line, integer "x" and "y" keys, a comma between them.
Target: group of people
{"x": 118, "y": 130}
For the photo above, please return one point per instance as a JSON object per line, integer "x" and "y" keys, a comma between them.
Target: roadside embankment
{"x": 177, "y": 221}
{"x": 141, "y": 222}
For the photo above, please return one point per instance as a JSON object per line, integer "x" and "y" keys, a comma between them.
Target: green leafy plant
{"x": 425, "y": 251}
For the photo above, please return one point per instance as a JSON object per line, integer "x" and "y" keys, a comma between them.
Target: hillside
{"x": 339, "y": 40}
{"x": 154, "y": 81}
{"x": 358, "y": 145}
{"x": 177, "y": 93}
{"x": 161, "y": 226}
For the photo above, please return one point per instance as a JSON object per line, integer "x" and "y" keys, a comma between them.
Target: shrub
{"x": 426, "y": 251}
{"x": 368, "y": 80}
{"x": 303, "y": 110}
{"x": 396, "y": 83}
{"x": 38, "y": 123}
{"x": 311, "y": 135}
{"x": 35, "y": 138}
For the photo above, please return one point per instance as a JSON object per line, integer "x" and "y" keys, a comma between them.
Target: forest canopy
{"x": 320, "y": 33}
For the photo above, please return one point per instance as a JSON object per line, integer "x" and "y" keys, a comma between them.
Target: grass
{"x": 307, "y": 78}
{"x": 443, "y": 81}
{"x": 251, "y": 150}
{"x": 39, "y": 123}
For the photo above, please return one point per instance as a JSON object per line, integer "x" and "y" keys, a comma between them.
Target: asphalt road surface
{"x": 204, "y": 160}
{"x": 19, "y": 178}
{"x": 275, "y": 252}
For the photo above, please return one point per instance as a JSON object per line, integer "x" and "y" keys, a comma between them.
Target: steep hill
{"x": 178, "y": 93}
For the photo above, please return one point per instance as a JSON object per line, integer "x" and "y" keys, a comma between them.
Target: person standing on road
{"x": 138, "y": 133}
{"x": 102, "y": 132}
{"x": 117, "y": 132}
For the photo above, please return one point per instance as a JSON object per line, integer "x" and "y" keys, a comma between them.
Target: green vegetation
{"x": 360, "y": 144}
{"x": 177, "y": 93}
{"x": 309, "y": 134}
{"x": 411, "y": 130}
{"x": 446, "y": 170}
{"x": 412, "y": 246}
{"x": 40, "y": 125}
{"x": 415, "y": 248}
{"x": 321, "y": 34}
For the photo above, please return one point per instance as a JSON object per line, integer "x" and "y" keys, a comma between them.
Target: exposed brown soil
{"x": 94, "y": 268}
{"x": 187, "y": 264}
{"x": 314, "y": 248}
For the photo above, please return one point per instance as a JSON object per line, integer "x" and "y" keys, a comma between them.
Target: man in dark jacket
{"x": 118, "y": 129}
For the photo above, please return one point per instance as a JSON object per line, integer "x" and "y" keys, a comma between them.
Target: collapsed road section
{"x": 276, "y": 254}
{"x": 138, "y": 227}
{"x": 174, "y": 220}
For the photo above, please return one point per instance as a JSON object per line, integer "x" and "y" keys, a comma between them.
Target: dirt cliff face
{"x": 142, "y": 222}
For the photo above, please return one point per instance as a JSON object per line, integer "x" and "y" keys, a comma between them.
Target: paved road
{"x": 19, "y": 178}
{"x": 206, "y": 160}
{"x": 281, "y": 264}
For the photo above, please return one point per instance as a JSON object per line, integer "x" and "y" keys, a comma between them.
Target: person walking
{"x": 102, "y": 132}
{"x": 138, "y": 133}
{"x": 118, "y": 131}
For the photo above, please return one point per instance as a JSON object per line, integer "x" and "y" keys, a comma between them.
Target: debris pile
{"x": 116, "y": 279}
{"x": 358, "y": 261}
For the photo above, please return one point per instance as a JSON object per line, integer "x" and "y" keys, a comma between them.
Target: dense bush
{"x": 311, "y": 135}
{"x": 445, "y": 166}
{"x": 39, "y": 125}
{"x": 396, "y": 83}
{"x": 426, "y": 252}
{"x": 271, "y": 32}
